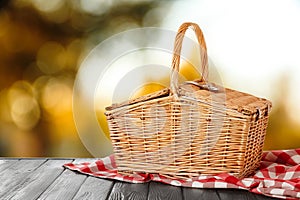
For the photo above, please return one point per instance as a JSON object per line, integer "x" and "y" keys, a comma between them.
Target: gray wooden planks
{"x": 199, "y": 193}
{"x": 20, "y": 167}
{"x": 130, "y": 191}
{"x": 38, "y": 179}
{"x": 33, "y": 185}
{"x": 66, "y": 185}
{"x": 226, "y": 194}
{"x": 262, "y": 197}
{"x": 5, "y": 164}
{"x": 221, "y": 194}
{"x": 16, "y": 173}
{"x": 159, "y": 191}
{"x": 94, "y": 188}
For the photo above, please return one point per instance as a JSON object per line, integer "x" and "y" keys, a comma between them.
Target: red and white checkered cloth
{"x": 278, "y": 175}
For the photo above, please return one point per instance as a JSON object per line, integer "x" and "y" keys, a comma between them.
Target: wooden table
{"x": 44, "y": 178}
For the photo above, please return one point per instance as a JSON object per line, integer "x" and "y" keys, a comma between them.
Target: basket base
{"x": 184, "y": 175}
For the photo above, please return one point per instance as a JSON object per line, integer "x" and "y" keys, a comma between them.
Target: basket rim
{"x": 248, "y": 110}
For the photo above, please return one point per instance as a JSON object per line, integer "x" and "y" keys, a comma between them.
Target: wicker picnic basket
{"x": 189, "y": 129}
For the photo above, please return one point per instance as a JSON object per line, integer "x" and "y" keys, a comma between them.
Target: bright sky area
{"x": 252, "y": 44}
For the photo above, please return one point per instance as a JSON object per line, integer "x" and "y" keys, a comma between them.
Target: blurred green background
{"x": 42, "y": 44}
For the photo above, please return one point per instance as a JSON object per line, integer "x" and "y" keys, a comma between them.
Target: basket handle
{"x": 177, "y": 50}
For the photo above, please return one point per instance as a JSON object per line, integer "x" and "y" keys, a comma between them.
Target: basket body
{"x": 189, "y": 129}
{"x": 196, "y": 133}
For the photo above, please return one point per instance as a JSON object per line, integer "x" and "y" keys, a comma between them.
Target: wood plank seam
{"x": 53, "y": 180}
{"x": 219, "y": 196}
{"x": 28, "y": 179}
{"x": 8, "y": 165}
{"x": 148, "y": 188}
{"x": 22, "y": 182}
{"x": 80, "y": 186}
{"x": 110, "y": 190}
{"x": 35, "y": 170}
{"x": 50, "y": 184}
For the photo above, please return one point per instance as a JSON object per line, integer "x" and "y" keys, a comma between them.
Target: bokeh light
{"x": 24, "y": 109}
{"x": 43, "y": 44}
{"x": 57, "y": 96}
{"x": 51, "y": 58}
{"x": 95, "y": 7}
{"x": 47, "y": 6}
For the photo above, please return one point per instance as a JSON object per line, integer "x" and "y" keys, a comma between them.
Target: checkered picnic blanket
{"x": 278, "y": 175}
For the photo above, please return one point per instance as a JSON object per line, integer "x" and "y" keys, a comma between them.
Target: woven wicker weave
{"x": 191, "y": 128}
